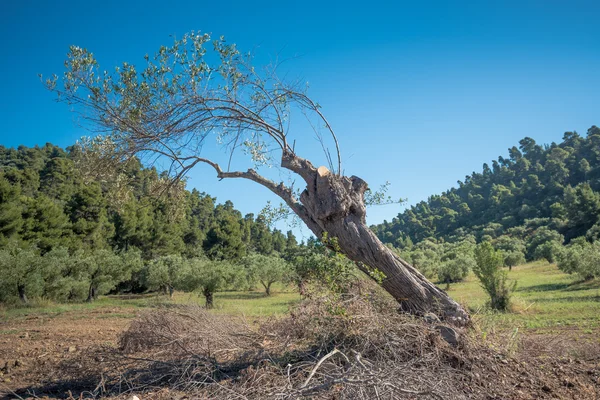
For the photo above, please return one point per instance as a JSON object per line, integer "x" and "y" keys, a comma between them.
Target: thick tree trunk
{"x": 334, "y": 205}
{"x": 22, "y": 294}
{"x": 408, "y": 286}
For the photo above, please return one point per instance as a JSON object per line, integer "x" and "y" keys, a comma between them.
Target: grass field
{"x": 545, "y": 299}
{"x": 250, "y": 303}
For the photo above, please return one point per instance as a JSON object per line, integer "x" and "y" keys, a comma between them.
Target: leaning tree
{"x": 200, "y": 88}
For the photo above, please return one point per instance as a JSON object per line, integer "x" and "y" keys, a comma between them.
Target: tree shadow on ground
{"x": 81, "y": 387}
{"x": 566, "y": 287}
{"x": 568, "y": 299}
{"x": 544, "y": 287}
{"x": 138, "y": 375}
{"x": 242, "y": 296}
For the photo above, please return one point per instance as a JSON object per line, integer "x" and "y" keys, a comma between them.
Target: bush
{"x": 493, "y": 278}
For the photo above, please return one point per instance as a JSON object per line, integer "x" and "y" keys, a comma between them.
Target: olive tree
{"x": 198, "y": 89}
{"x": 580, "y": 257}
{"x": 208, "y": 276}
{"x": 494, "y": 280}
{"x": 105, "y": 270}
{"x": 21, "y": 272}
{"x": 166, "y": 273}
{"x": 267, "y": 269}
{"x": 58, "y": 274}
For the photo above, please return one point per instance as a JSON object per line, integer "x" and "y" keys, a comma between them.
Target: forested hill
{"x": 554, "y": 185}
{"x": 46, "y": 203}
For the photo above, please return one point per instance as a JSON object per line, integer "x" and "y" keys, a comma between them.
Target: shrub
{"x": 493, "y": 278}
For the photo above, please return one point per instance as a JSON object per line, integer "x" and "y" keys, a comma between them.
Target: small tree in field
{"x": 166, "y": 273}
{"x": 513, "y": 258}
{"x": 59, "y": 277}
{"x": 267, "y": 269}
{"x": 322, "y": 267}
{"x": 105, "y": 270}
{"x": 209, "y": 276}
{"x": 20, "y": 273}
{"x": 456, "y": 261}
{"x": 493, "y": 278}
{"x": 456, "y": 269}
{"x": 580, "y": 257}
{"x": 545, "y": 243}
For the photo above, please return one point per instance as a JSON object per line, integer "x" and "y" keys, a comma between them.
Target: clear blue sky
{"x": 420, "y": 93}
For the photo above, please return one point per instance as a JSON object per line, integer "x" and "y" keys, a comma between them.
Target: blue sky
{"x": 420, "y": 93}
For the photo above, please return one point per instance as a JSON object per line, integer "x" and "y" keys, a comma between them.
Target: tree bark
{"x": 92, "y": 294}
{"x": 267, "y": 287}
{"x": 208, "y": 295}
{"x": 22, "y": 294}
{"x": 334, "y": 205}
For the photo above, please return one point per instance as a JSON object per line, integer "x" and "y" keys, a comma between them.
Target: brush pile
{"x": 354, "y": 347}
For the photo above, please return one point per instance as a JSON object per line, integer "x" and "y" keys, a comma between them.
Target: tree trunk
{"x": 333, "y": 205}
{"x": 91, "y": 294}
{"x": 22, "y": 294}
{"x": 408, "y": 286}
{"x": 267, "y": 287}
{"x": 208, "y": 295}
{"x": 302, "y": 288}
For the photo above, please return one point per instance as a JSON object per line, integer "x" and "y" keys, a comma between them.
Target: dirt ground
{"x": 34, "y": 350}
{"x": 46, "y": 355}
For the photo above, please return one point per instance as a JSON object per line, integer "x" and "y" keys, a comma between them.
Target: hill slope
{"x": 554, "y": 185}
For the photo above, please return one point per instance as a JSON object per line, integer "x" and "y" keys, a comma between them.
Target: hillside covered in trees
{"x": 65, "y": 237}
{"x": 555, "y": 186}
